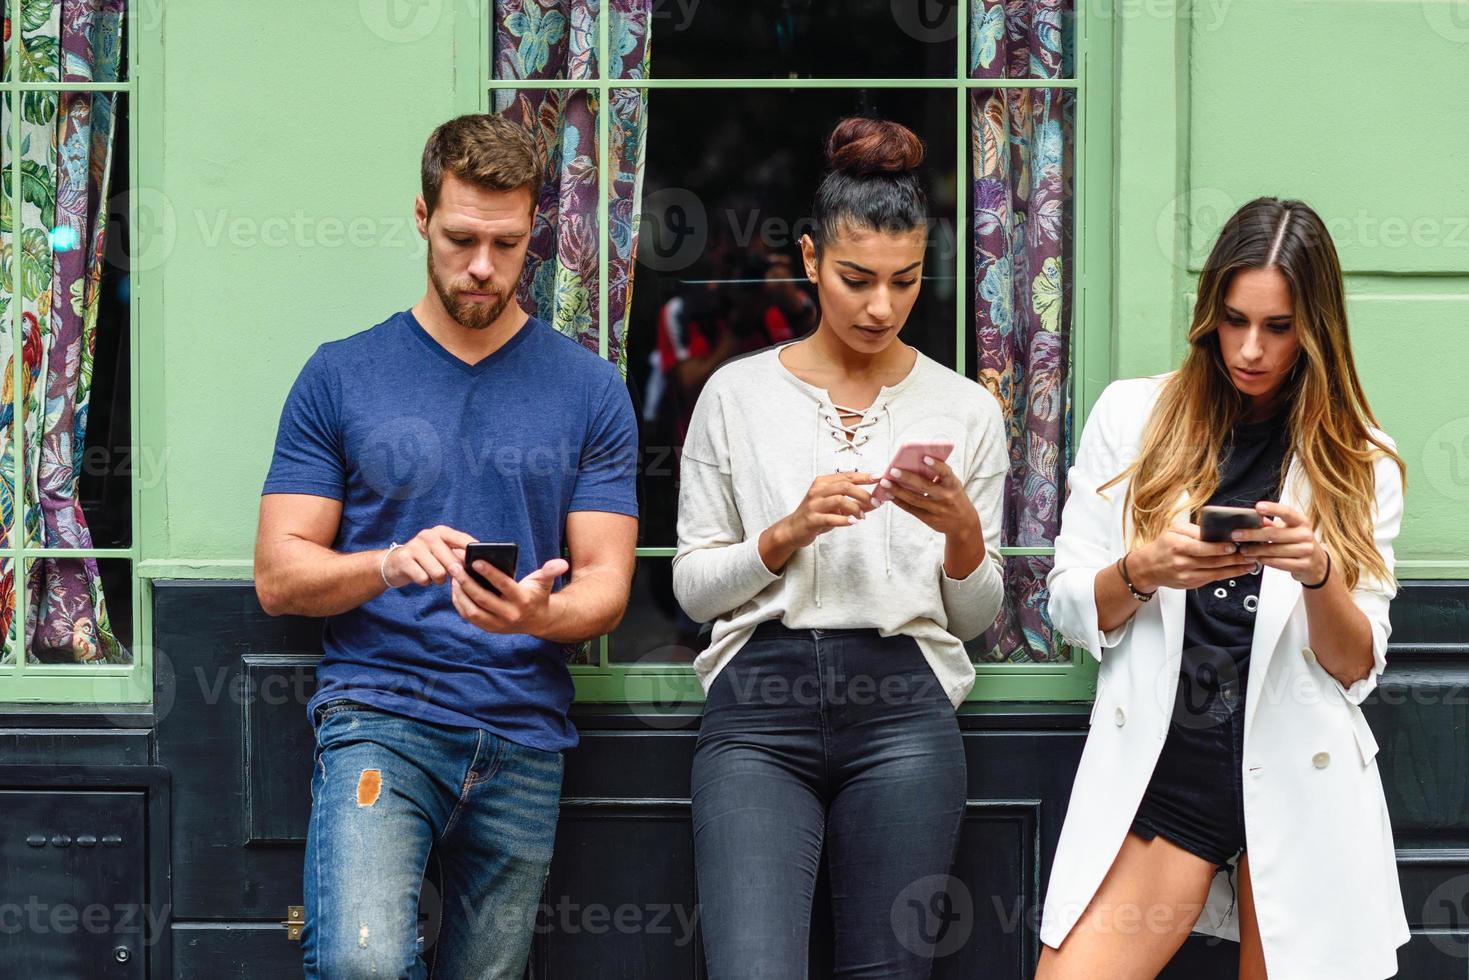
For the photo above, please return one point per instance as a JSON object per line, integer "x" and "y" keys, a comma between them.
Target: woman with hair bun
{"x": 1229, "y": 783}
{"x": 837, "y": 654}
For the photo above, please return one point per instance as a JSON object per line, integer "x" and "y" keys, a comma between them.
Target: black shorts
{"x": 1195, "y": 798}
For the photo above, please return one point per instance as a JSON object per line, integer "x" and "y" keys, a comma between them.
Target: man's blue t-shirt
{"x": 407, "y": 436}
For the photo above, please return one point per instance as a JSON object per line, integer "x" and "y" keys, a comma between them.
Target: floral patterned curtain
{"x": 55, "y": 274}
{"x": 1022, "y": 143}
{"x": 557, "y": 39}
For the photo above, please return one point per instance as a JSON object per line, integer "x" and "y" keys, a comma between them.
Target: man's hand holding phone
{"x": 425, "y": 558}
{"x": 521, "y": 607}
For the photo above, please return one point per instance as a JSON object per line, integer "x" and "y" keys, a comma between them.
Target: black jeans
{"x": 834, "y": 739}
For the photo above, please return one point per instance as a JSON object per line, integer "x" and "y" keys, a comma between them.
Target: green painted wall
{"x": 1357, "y": 107}
{"x": 279, "y": 160}
{"x": 279, "y": 169}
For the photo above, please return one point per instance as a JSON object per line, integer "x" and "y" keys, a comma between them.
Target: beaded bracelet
{"x": 1127, "y": 580}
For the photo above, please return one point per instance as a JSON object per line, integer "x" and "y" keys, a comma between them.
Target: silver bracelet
{"x": 382, "y": 567}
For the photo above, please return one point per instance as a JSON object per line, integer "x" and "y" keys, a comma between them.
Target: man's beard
{"x": 472, "y": 316}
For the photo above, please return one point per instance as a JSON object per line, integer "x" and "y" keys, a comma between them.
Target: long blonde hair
{"x": 1328, "y": 413}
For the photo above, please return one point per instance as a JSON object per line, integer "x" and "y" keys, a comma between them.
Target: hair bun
{"x": 860, "y": 147}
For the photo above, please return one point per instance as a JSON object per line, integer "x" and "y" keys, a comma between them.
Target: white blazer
{"x": 1316, "y": 823}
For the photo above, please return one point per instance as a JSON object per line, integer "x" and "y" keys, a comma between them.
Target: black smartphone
{"x": 1215, "y": 523}
{"x": 502, "y": 555}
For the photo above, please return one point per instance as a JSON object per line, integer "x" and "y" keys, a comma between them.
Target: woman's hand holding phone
{"x": 938, "y": 501}
{"x": 1180, "y": 559}
{"x": 1287, "y": 542}
{"x": 833, "y": 500}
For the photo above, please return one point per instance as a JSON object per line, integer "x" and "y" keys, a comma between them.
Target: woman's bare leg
{"x": 1251, "y": 953}
{"x": 1150, "y": 899}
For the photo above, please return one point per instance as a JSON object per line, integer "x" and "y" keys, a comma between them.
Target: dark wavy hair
{"x": 872, "y": 180}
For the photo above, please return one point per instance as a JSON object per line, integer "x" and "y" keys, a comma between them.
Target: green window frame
{"x": 71, "y": 684}
{"x": 671, "y": 685}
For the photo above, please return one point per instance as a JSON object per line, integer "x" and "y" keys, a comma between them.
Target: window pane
{"x": 79, "y": 611}
{"x": 803, "y": 39}
{"x": 559, "y": 282}
{"x": 7, "y": 609}
{"x": 77, "y": 441}
{"x": 1022, "y": 153}
{"x": 1022, "y": 633}
{"x": 1036, "y": 39}
{"x": 719, "y": 271}
{"x": 8, "y": 45}
{"x": 71, "y": 42}
{"x": 655, "y": 629}
{"x": 17, "y": 264}
{"x": 544, "y": 39}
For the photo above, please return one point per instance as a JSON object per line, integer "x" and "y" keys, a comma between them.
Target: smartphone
{"x": 503, "y": 555}
{"x": 1215, "y": 523}
{"x": 909, "y": 459}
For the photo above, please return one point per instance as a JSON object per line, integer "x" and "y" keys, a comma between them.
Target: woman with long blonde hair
{"x": 1229, "y": 782}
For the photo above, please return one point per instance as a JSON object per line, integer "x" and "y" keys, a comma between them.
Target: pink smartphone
{"x": 909, "y": 459}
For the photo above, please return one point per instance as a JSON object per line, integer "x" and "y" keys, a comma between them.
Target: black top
{"x": 1219, "y": 622}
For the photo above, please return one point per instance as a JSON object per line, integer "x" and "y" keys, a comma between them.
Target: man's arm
{"x": 297, "y": 572}
{"x": 601, "y": 544}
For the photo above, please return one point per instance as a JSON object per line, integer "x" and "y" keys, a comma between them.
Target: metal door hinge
{"x": 295, "y": 919}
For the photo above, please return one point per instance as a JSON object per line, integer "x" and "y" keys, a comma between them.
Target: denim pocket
{"x": 337, "y": 706}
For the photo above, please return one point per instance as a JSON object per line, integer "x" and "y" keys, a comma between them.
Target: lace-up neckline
{"x": 850, "y": 437}
{"x": 850, "y": 440}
